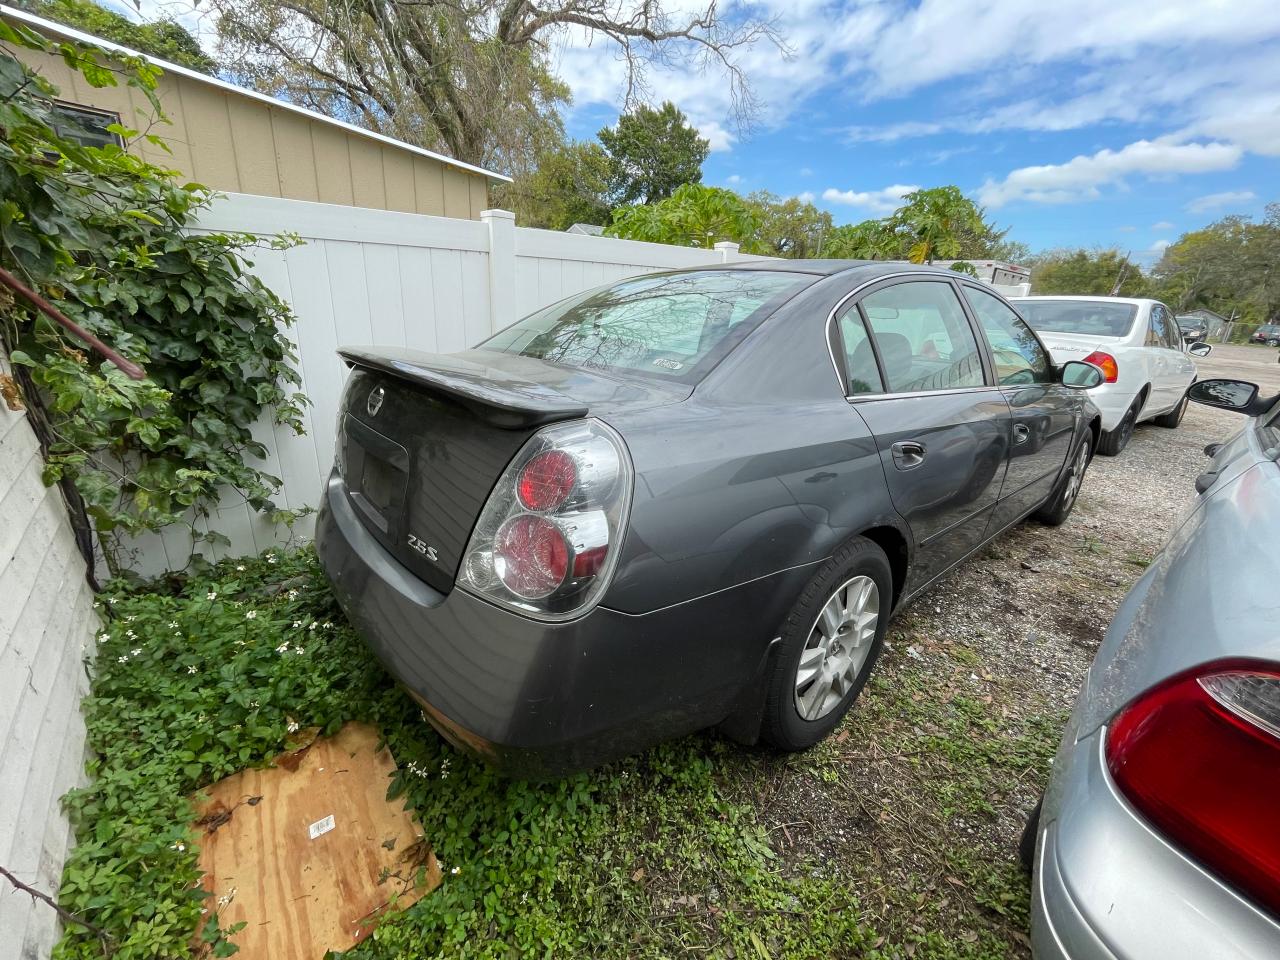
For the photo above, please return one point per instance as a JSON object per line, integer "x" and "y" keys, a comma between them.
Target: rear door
{"x": 1163, "y": 343}
{"x": 920, "y": 381}
{"x": 1043, "y": 412}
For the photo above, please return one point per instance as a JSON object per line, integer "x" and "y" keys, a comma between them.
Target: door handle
{"x": 1021, "y": 433}
{"x": 908, "y": 454}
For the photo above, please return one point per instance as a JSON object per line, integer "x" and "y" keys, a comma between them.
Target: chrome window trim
{"x": 900, "y": 395}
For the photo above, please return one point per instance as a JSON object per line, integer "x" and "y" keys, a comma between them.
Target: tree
{"x": 651, "y": 153}
{"x": 1226, "y": 267}
{"x": 868, "y": 240}
{"x": 789, "y": 227}
{"x": 569, "y": 185}
{"x": 164, "y": 38}
{"x": 693, "y": 216}
{"x": 938, "y": 224}
{"x": 472, "y": 79}
{"x": 1087, "y": 273}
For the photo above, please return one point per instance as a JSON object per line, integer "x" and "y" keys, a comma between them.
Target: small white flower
{"x": 327, "y": 626}
{"x": 283, "y": 648}
{"x": 135, "y": 651}
{"x": 311, "y": 627}
{"x": 298, "y": 650}
{"x": 211, "y": 595}
{"x": 122, "y": 659}
{"x": 173, "y": 624}
{"x": 104, "y": 637}
{"x": 237, "y": 603}
{"x": 253, "y": 704}
{"x": 130, "y": 635}
{"x": 251, "y": 615}
{"x": 455, "y": 870}
{"x": 270, "y": 558}
{"x": 293, "y": 594}
{"x": 112, "y": 601}
{"x": 193, "y": 669}
{"x": 292, "y": 726}
{"x": 297, "y": 624}
{"x": 96, "y": 604}
{"x": 130, "y": 619}
{"x": 180, "y": 847}
{"x": 240, "y": 567}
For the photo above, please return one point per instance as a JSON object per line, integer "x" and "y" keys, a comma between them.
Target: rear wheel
{"x": 1171, "y": 419}
{"x": 830, "y": 642}
{"x": 1057, "y": 508}
{"x": 1113, "y": 441}
{"x": 1027, "y": 842}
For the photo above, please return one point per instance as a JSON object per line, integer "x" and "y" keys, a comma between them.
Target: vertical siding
{"x": 47, "y": 624}
{"x": 238, "y": 144}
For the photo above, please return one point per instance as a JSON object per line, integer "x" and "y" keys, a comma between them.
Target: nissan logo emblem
{"x": 376, "y": 396}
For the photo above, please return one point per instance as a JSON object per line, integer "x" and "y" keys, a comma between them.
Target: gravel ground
{"x": 919, "y": 799}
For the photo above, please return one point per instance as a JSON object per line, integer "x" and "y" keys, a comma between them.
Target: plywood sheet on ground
{"x": 309, "y": 852}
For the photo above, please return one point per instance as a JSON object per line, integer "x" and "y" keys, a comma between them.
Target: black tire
{"x": 1273, "y": 343}
{"x": 1113, "y": 441}
{"x": 1058, "y": 507}
{"x": 1171, "y": 419}
{"x": 1027, "y": 842}
{"x": 782, "y": 724}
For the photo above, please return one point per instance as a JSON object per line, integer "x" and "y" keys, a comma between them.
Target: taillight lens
{"x": 548, "y": 538}
{"x": 1199, "y": 756}
{"x": 1106, "y": 363}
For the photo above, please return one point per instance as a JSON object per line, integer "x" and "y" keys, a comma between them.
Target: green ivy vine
{"x": 106, "y": 236}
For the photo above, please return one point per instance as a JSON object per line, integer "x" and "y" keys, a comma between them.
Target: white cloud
{"x": 1214, "y": 201}
{"x": 1162, "y": 225}
{"x": 721, "y": 140}
{"x": 733, "y": 179}
{"x": 1126, "y": 229}
{"x": 1159, "y": 246}
{"x": 806, "y": 197}
{"x": 876, "y": 201}
{"x": 806, "y": 172}
{"x": 1082, "y": 177}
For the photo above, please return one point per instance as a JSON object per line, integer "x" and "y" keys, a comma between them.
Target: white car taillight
{"x": 548, "y": 538}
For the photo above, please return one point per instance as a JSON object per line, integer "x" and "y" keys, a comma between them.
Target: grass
{"x": 890, "y": 840}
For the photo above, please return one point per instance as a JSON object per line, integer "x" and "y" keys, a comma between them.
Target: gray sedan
{"x": 687, "y": 499}
{"x": 1157, "y": 836}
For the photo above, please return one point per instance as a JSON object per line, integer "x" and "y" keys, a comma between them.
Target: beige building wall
{"x": 237, "y": 143}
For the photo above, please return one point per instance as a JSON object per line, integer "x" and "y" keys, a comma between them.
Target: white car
{"x": 1138, "y": 347}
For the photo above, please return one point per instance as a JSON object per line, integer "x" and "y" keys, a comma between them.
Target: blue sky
{"x": 1074, "y": 122}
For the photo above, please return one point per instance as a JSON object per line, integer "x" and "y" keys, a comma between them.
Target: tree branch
{"x": 66, "y": 915}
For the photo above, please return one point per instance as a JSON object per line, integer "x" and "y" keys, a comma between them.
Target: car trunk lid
{"x": 422, "y": 438}
{"x": 1074, "y": 346}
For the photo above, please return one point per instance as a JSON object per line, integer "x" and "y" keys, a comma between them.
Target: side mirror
{"x": 1079, "y": 375}
{"x": 1238, "y": 395}
{"x": 1200, "y": 349}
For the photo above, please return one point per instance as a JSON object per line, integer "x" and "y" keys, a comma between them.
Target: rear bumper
{"x": 1107, "y": 887}
{"x": 1113, "y": 401}
{"x": 539, "y": 699}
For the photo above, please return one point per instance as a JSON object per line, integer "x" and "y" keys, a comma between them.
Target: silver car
{"x": 1159, "y": 833}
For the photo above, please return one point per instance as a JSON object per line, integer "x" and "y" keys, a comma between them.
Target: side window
{"x": 924, "y": 340}
{"x": 859, "y": 357}
{"x": 1158, "y": 332}
{"x": 1018, "y": 355}
{"x": 1172, "y": 332}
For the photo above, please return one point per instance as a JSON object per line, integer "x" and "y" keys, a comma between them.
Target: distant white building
{"x": 587, "y": 229}
{"x": 1007, "y": 278}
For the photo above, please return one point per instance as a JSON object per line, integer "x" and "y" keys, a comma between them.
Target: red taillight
{"x": 1106, "y": 363}
{"x": 530, "y": 556}
{"x": 1199, "y": 757}
{"x": 547, "y": 480}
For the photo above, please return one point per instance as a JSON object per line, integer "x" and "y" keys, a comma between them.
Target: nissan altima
{"x": 686, "y": 499}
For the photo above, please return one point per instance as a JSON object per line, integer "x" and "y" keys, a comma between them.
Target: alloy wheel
{"x": 839, "y": 643}
{"x": 1076, "y": 477}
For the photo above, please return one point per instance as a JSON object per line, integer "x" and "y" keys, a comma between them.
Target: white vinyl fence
{"x": 393, "y": 279}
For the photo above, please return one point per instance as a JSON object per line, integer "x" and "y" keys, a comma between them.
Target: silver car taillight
{"x": 547, "y": 540}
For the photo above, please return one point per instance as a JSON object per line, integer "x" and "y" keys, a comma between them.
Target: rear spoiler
{"x": 492, "y": 394}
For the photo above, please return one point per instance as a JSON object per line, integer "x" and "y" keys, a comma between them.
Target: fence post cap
{"x": 497, "y": 215}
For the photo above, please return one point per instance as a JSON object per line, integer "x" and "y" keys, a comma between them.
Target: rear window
{"x": 1091, "y": 317}
{"x": 673, "y": 326}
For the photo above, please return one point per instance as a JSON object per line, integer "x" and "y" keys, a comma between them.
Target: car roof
{"x": 867, "y": 269}
{"x": 1136, "y": 300}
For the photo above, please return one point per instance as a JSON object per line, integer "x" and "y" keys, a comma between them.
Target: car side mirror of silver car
{"x": 1079, "y": 375}
{"x": 1200, "y": 349}
{"x": 1238, "y": 395}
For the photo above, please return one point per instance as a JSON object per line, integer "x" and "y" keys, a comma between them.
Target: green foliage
{"x": 569, "y": 185}
{"x": 102, "y": 234}
{"x": 789, "y": 227}
{"x": 647, "y": 858}
{"x": 164, "y": 38}
{"x": 693, "y": 216}
{"x": 1087, "y": 273}
{"x": 651, "y": 154}
{"x": 868, "y": 240}
{"x": 1225, "y": 267}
